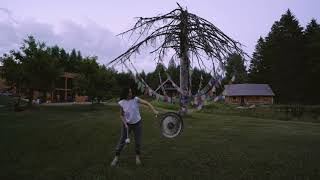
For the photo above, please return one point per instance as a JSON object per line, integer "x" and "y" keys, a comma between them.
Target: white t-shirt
{"x": 131, "y": 110}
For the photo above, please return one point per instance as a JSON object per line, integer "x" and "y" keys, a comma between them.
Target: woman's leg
{"x": 137, "y": 137}
{"x": 122, "y": 140}
{"x": 120, "y": 145}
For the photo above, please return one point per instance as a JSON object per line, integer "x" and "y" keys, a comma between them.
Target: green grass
{"x": 164, "y": 105}
{"x": 5, "y": 100}
{"x": 310, "y": 113}
{"x": 77, "y": 142}
{"x": 7, "y": 103}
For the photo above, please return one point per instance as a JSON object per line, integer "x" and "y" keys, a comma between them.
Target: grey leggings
{"x": 137, "y": 137}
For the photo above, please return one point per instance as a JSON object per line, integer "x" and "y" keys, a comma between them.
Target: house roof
{"x": 248, "y": 90}
{"x": 166, "y": 86}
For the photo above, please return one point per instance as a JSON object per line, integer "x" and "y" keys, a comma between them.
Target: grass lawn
{"x": 307, "y": 114}
{"x": 77, "y": 142}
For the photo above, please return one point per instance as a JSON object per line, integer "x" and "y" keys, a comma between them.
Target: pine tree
{"x": 283, "y": 59}
{"x": 63, "y": 59}
{"x": 79, "y": 56}
{"x": 72, "y": 62}
{"x": 235, "y": 67}
{"x": 257, "y": 67}
{"x": 312, "y": 46}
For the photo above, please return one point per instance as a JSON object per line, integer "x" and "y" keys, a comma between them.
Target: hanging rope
{"x": 214, "y": 81}
{"x": 200, "y": 83}
{"x": 161, "y": 85}
{"x": 203, "y": 94}
{"x": 144, "y": 87}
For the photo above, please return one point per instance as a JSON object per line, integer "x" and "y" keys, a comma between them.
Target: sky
{"x": 92, "y": 26}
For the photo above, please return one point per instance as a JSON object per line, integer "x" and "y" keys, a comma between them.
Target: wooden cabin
{"x": 247, "y": 94}
{"x": 167, "y": 89}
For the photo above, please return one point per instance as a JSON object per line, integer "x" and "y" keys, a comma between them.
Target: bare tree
{"x": 190, "y": 36}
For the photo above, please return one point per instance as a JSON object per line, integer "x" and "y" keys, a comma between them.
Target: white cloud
{"x": 90, "y": 38}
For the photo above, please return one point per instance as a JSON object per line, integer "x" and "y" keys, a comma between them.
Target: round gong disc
{"x": 171, "y": 125}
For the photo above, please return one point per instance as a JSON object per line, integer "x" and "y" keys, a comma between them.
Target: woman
{"x": 131, "y": 119}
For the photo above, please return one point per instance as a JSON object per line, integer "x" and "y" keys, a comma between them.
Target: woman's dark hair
{"x": 125, "y": 92}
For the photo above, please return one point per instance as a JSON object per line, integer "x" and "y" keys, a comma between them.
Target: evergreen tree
{"x": 152, "y": 78}
{"x": 79, "y": 57}
{"x": 63, "y": 59}
{"x": 72, "y": 65}
{"x": 283, "y": 55}
{"x": 257, "y": 67}
{"x": 235, "y": 67}
{"x": 312, "y": 46}
{"x": 199, "y": 79}
{"x": 143, "y": 75}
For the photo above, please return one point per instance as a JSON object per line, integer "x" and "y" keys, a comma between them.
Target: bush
{"x": 164, "y": 105}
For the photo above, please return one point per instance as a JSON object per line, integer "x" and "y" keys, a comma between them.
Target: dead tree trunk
{"x": 184, "y": 59}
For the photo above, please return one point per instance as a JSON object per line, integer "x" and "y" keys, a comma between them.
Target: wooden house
{"x": 244, "y": 94}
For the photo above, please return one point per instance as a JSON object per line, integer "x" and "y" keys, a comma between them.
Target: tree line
{"x": 288, "y": 59}
{"x": 36, "y": 66}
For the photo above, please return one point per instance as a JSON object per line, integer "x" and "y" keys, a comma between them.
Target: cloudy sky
{"x": 91, "y": 26}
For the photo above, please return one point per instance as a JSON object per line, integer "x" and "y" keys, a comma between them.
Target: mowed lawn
{"x": 77, "y": 142}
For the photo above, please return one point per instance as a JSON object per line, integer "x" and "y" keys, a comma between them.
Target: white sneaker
{"x": 114, "y": 161}
{"x": 138, "y": 161}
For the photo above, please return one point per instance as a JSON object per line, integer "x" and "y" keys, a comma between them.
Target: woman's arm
{"x": 141, "y": 101}
{"x": 123, "y": 118}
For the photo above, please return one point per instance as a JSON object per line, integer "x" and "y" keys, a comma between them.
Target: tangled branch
{"x": 203, "y": 39}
